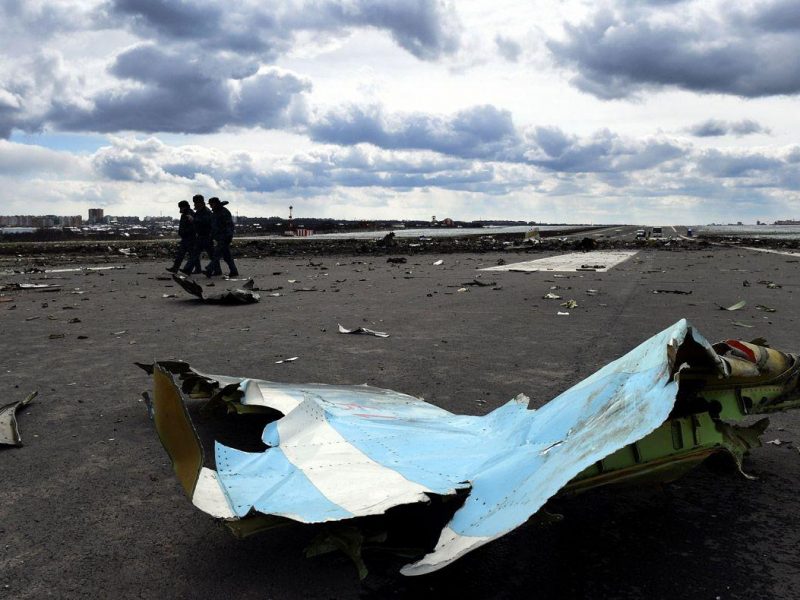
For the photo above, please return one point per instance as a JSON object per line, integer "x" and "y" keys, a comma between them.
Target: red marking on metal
{"x": 751, "y": 356}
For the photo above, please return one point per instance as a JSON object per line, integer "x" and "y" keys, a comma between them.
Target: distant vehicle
{"x": 641, "y": 234}
{"x": 657, "y": 233}
{"x": 689, "y": 232}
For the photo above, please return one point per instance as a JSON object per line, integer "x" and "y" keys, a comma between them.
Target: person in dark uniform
{"x": 187, "y": 235}
{"x": 222, "y": 233}
{"x": 202, "y": 228}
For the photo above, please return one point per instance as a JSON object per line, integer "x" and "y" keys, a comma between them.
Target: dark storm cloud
{"x": 720, "y": 164}
{"x": 780, "y": 15}
{"x": 488, "y": 133}
{"x": 426, "y": 28}
{"x": 183, "y": 94}
{"x": 604, "y": 152}
{"x": 478, "y": 132}
{"x": 716, "y": 128}
{"x": 744, "y": 53}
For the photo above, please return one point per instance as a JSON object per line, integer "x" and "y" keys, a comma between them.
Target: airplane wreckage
{"x": 340, "y": 455}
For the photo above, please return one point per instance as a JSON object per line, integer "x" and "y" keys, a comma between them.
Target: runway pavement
{"x": 91, "y": 508}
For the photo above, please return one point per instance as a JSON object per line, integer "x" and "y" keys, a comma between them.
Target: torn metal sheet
{"x": 364, "y": 330}
{"x": 9, "y": 429}
{"x": 600, "y": 261}
{"x": 239, "y": 295}
{"x": 342, "y": 452}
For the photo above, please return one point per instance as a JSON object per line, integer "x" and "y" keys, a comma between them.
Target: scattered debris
{"x": 336, "y": 454}
{"x": 592, "y": 292}
{"x": 438, "y": 262}
{"x": 462, "y": 289}
{"x": 738, "y": 306}
{"x": 551, "y": 296}
{"x": 57, "y": 336}
{"x": 240, "y": 295}
{"x": 286, "y": 360}
{"x": 9, "y": 430}
{"x": 364, "y": 330}
{"x": 764, "y": 308}
{"x": 398, "y": 260}
{"x": 745, "y": 283}
{"x": 38, "y": 287}
{"x": 740, "y": 324}
{"x": 682, "y": 292}
{"x": 570, "y": 304}
{"x": 775, "y": 442}
{"x": 479, "y": 283}
{"x": 770, "y": 284}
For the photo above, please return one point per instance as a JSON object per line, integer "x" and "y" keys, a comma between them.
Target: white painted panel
{"x": 209, "y": 497}
{"x": 312, "y": 445}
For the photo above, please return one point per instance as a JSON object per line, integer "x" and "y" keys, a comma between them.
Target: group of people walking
{"x": 203, "y": 230}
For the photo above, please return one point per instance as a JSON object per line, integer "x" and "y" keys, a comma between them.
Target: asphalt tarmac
{"x": 91, "y": 509}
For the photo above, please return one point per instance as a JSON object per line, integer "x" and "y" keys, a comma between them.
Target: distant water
{"x": 444, "y": 232}
{"x": 772, "y": 232}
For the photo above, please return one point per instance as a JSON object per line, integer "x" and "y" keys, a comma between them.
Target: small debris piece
{"x": 240, "y": 295}
{"x": 399, "y": 260}
{"x": 740, "y": 324}
{"x": 766, "y": 308}
{"x": 775, "y": 442}
{"x": 57, "y": 336}
{"x": 745, "y": 283}
{"x": 738, "y": 306}
{"x": 592, "y": 292}
{"x": 438, "y": 262}
{"x": 9, "y": 430}
{"x": 551, "y": 296}
{"x": 672, "y": 292}
{"x": 286, "y": 360}
{"x": 479, "y": 283}
{"x": 562, "y": 314}
{"x": 569, "y": 304}
{"x": 463, "y": 289}
{"x": 363, "y": 330}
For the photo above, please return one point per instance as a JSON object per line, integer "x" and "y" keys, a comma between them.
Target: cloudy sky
{"x": 639, "y": 111}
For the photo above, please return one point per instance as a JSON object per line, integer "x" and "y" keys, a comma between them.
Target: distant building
{"x": 40, "y": 221}
{"x": 95, "y": 216}
{"x": 124, "y": 220}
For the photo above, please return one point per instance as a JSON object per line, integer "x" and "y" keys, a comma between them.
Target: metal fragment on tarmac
{"x": 343, "y": 452}
{"x": 236, "y": 295}
{"x": 9, "y": 429}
